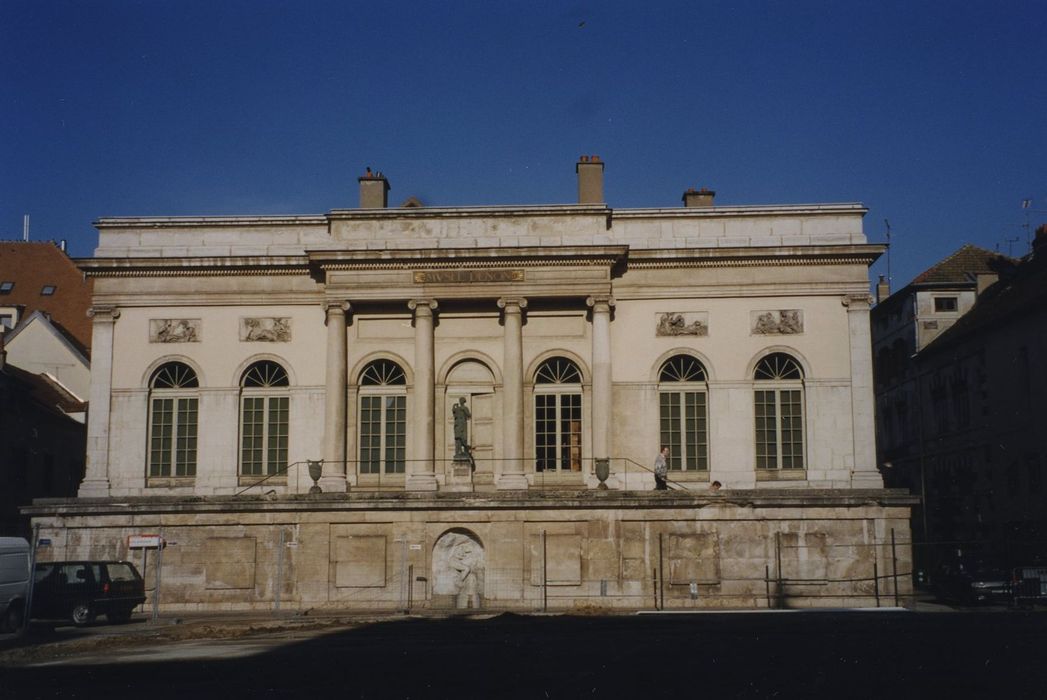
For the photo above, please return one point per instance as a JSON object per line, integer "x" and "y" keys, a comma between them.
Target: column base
{"x": 512, "y": 482}
{"x": 866, "y": 480}
{"x": 93, "y": 488}
{"x": 421, "y": 482}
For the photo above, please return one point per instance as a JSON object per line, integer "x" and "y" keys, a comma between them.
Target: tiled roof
{"x": 962, "y": 266}
{"x": 1015, "y": 296}
{"x": 33, "y": 265}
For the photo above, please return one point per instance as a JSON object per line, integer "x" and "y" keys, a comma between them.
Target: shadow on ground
{"x": 848, "y": 654}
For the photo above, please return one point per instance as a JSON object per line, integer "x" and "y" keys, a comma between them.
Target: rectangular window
{"x": 6, "y": 287}
{"x": 172, "y": 437}
{"x": 47, "y": 290}
{"x": 558, "y": 432}
{"x": 779, "y": 429}
{"x": 945, "y": 303}
{"x": 383, "y": 434}
{"x": 684, "y": 428}
{"x": 263, "y": 445}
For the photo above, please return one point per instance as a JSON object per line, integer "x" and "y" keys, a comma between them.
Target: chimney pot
{"x": 590, "y": 180}
{"x": 700, "y": 198}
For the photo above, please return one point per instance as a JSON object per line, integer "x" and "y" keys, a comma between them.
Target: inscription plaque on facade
{"x": 783, "y": 322}
{"x": 265, "y": 330}
{"x": 466, "y": 276}
{"x": 688, "y": 323}
{"x": 174, "y": 330}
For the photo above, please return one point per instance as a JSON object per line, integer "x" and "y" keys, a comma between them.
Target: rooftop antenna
{"x": 25, "y": 227}
{"x": 888, "y": 225}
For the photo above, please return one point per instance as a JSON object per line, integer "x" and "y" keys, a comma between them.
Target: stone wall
{"x": 560, "y": 551}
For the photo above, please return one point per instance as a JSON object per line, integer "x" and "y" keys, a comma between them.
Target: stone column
{"x": 864, "y": 473}
{"x": 421, "y": 474}
{"x": 96, "y": 474}
{"x": 512, "y": 476}
{"x": 334, "y": 470}
{"x": 601, "y": 306}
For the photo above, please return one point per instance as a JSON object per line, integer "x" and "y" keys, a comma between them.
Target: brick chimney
{"x": 590, "y": 180}
{"x": 698, "y": 198}
{"x": 374, "y": 190}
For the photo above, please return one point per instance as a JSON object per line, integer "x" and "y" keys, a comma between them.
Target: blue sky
{"x": 933, "y": 114}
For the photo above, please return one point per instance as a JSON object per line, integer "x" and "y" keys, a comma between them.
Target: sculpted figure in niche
{"x": 461, "y": 415}
{"x": 458, "y": 569}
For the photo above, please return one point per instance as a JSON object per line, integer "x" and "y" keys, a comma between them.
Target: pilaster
{"x": 96, "y": 475}
{"x": 334, "y": 468}
{"x": 865, "y": 473}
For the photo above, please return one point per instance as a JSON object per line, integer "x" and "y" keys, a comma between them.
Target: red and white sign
{"x": 144, "y": 542}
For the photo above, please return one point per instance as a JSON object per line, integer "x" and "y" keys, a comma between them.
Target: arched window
{"x": 558, "y": 416}
{"x": 173, "y": 410}
{"x": 683, "y": 413}
{"x": 264, "y": 407}
{"x": 778, "y": 400}
{"x": 383, "y": 418}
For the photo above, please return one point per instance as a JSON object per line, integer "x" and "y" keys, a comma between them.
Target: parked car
{"x": 82, "y": 590}
{"x": 974, "y": 585}
{"x": 1030, "y": 585}
{"x": 14, "y": 582}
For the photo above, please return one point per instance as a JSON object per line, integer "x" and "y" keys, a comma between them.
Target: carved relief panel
{"x": 265, "y": 330}
{"x": 672, "y": 323}
{"x": 781, "y": 322}
{"x": 174, "y": 330}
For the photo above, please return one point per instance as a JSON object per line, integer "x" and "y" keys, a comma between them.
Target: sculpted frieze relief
{"x": 683, "y": 323}
{"x": 174, "y": 330}
{"x": 265, "y": 329}
{"x": 781, "y": 322}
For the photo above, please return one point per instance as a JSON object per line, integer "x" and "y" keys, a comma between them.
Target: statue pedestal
{"x": 459, "y": 476}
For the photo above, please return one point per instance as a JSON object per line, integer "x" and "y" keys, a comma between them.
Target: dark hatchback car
{"x": 82, "y": 590}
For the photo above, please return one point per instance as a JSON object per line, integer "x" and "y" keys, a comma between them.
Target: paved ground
{"x": 756, "y": 655}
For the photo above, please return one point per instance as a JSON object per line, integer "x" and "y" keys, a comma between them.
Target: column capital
{"x": 337, "y": 305}
{"x": 600, "y": 300}
{"x": 103, "y": 313}
{"x": 856, "y": 302}
{"x": 422, "y": 306}
{"x": 509, "y": 303}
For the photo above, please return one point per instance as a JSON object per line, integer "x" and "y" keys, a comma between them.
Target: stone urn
{"x": 603, "y": 470}
{"x": 316, "y": 469}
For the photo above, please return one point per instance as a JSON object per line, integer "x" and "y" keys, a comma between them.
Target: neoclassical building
{"x": 229, "y": 353}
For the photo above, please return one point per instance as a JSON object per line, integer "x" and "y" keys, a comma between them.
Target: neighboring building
{"x": 563, "y": 344}
{"x": 41, "y": 443}
{"x": 958, "y": 405}
{"x": 44, "y": 301}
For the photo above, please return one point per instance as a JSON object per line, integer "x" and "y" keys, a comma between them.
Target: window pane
{"x": 185, "y": 447}
{"x": 395, "y": 433}
{"x": 160, "y": 437}
{"x": 251, "y": 440}
{"x": 370, "y": 434}
{"x": 278, "y": 421}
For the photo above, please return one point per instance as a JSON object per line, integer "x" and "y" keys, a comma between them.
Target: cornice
{"x": 466, "y": 258}
{"x": 194, "y": 267}
{"x": 749, "y": 210}
{"x": 755, "y": 256}
{"x": 208, "y": 221}
{"x": 601, "y": 210}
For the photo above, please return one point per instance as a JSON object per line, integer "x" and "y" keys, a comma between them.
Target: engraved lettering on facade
{"x": 465, "y": 276}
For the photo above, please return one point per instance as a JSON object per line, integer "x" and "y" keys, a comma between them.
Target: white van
{"x": 14, "y": 582}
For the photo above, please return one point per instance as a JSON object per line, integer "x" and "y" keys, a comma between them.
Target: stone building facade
{"x": 231, "y": 354}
